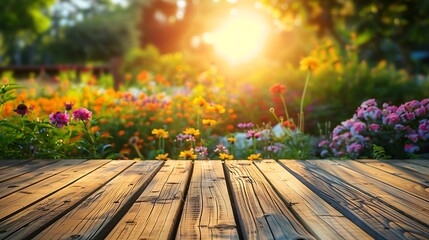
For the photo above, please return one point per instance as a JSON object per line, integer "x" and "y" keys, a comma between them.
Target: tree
{"x": 20, "y": 22}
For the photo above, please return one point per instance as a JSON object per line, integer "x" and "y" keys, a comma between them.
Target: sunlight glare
{"x": 240, "y": 38}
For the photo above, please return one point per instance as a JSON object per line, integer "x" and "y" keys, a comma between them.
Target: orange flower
{"x": 121, "y": 133}
{"x": 289, "y": 124}
{"x": 309, "y": 63}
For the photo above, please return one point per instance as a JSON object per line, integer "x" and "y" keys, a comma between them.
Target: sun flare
{"x": 240, "y": 38}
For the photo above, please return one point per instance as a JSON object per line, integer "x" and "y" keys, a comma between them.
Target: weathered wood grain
{"x": 92, "y": 218}
{"x": 261, "y": 213}
{"x": 399, "y": 171}
{"x": 413, "y": 206}
{"x": 415, "y": 189}
{"x": 380, "y": 220}
{"x": 207, "y": 213}
{"x": 17, "y": 170}
{"x": 324, "y": 221}
{"x": 10, "y": 163}
{"x": 29, "y": 195}
{"x": 35, "y": 218}
{"x": 420, "y": 166}
{"x": 17, "y": 183}
{"x": 156, "y": 213}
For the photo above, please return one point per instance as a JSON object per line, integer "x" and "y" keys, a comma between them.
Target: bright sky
{"x": 239, "y": 38}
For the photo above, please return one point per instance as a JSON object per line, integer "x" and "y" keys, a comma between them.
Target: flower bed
{"x": 149, "y": 117}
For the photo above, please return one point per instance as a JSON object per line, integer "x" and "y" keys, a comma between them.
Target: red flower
{"x": 289, "y": 124}
{"x": 278, "y": 89}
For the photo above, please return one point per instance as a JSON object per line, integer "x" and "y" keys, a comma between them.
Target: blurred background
{"x": 368, "y": 49}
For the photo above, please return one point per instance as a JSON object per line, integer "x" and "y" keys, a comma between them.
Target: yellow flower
{"x": 162, "y": 157}
{"x": 209, "y": 122}
{"x": 232, "y": 140}
{"x": 254, "y": 157}
{"x": 188, "y": 154}
{"x": 192, "y": 131}
{"x": 309, "y": 63}
{"x": 225, "y": 156}
{"x": 200, "y": 101}
{"x": 160, "y": 133}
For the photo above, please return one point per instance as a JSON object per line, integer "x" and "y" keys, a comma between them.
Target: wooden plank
{"x": 17, "y": 170}
{"x": 156, "y": 213}
{"x": 380, "y": 220}
{"x": 420, "y": 166}
{"x": 402, "y": 172}
{"x": 28, "y": 179}
{"x": 93, "y": 218}
{"x": 27, "y": 196}
{"x": 324, "y": 221}
{"x": 411, "y": 205}
{"x": 34, "y": 219}
{"x": 10, "y": 163}
{"x": 410, "y": 187}
{"x": 208, "y": 212}
{"x": 260, "y": 212}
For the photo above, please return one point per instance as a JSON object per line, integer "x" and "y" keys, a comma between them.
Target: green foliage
{"x": 378, "y": 152}
{"x": 22, "y": 15}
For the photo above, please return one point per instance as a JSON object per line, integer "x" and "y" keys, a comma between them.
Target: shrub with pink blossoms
{"x": 400, "y": 131}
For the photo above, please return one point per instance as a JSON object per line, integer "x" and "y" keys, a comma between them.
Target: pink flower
{"x": 323, "y": 143}
{"x": 59, "y": 119}
{"x": 420, "y": 111}
{"x": 357, "y": 128}
{"x": 391, "y": 119}
{"x": 253, "y": 134}
{"x": 374, "y": 127}
{"x": 411, "y": 148}
{"x": 82, "y": 114}
{"x": 424, "y": 129}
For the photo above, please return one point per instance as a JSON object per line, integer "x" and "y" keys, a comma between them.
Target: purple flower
{"x": 82, "y": 114}
{"x": 245, "y": 125}
{"x": 354, "y": 148}
{"x": 59, "y": 119}
{"x": 68, "y": 106}
{"x": 324, "y": 153}
{"x": 411, "y": 148}
{"x": 424, "y": 129}
{"x": 202, "y": 152}
{"x": 21, "y": 109}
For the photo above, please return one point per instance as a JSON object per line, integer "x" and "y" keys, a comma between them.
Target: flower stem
{"x": 301, "y": 107}
{"x": 285, "y": 107}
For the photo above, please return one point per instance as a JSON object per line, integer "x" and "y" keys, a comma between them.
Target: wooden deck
{"x": 127, "y": 199}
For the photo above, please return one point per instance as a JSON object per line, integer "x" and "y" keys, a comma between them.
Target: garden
{"x": 343, "y": 96}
